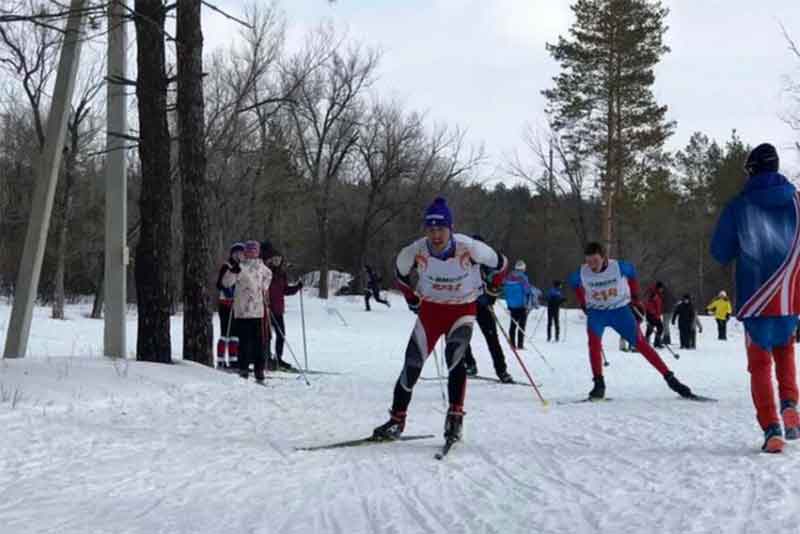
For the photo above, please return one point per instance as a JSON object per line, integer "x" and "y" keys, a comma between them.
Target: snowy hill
{"x": 93, "y": 447}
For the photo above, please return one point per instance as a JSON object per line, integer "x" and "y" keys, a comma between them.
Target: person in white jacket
{"x": 251, "y": 278}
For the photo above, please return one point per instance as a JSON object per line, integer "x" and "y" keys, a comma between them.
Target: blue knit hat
{"x": 438, "y": 214}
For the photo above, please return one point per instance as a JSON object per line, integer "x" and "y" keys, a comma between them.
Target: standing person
{"x": 449, "y": 283}
{"x": 488, "y": 326}
{"x": 518, "y": 293}
{"x": 605, "y": 288}
{"x": 279, "y": 288}
{"x": 668, "y": 303}
{"x": 373, "y": 288}
{"x": 721, "y": 308}
{"x": 686, "y": 316}
{"x": 251, "y": 278}
{"x": 654, "y": 309}
{"x": 227, "y": 343}
{"x": 760, "y": 230}
{"x": 555, "y": 298}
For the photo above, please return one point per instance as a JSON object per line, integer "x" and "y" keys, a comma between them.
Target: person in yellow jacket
{"x": 721, "y": 308}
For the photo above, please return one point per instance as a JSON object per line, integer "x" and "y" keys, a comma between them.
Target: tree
{"x": 602, "y": 102}
{"x": 152, "y": 265}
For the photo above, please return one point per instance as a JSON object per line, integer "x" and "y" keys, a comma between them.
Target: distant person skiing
{"x": 555, "y": 298}
{"x": 251, "y": 278}
{"x": 488, "y": 326}
{"x": 518, "y": 293}
{"x": 605, "y": 287}
{"x": 721, "y": 308}
{"x": 449, "y": 283}
{"x": 760, "y": 230}
{"x": 654, "y": 309}
{"x": 228, "y": 343}
{"x": 279, "y": 289}
{"x": 688, "y": 324}
{"x": 373, "y": 288}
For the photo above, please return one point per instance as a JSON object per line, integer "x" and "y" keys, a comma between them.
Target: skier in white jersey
{"x": 449, "y": 283}
{"x": 606, "y": 290}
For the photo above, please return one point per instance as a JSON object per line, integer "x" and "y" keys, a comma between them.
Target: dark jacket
{"x": 555, "y": 298}
{"x": 685, "y": 314}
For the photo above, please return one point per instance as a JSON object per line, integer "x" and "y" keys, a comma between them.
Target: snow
{"x": 90, "y": 446}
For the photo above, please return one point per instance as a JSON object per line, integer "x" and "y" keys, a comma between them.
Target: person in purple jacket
{"x": 759, "y": 230}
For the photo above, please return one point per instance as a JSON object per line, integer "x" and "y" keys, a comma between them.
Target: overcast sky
{"x": 482, "y": 64}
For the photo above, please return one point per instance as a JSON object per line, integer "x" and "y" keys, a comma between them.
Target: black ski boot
{"x": 505, "y": 378}
{"x": 452, "y": 425}
{"x": 678, "y": 387}
{"x": 391, "y": 429}
{"x": 599, "y": 390}
{"x": 284, "y": 366}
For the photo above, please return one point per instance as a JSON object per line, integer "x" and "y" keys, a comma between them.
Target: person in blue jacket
{"x": 759, "y": 230}
{"x": 518, "y": 292}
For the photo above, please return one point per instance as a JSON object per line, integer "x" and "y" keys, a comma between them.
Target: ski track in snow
{"x": 143, "y": 448}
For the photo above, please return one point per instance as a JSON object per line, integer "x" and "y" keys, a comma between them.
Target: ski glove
{"x": 234, "y": 266}
{"x": 413, "y": 304}
{"x": 484, "y": 300}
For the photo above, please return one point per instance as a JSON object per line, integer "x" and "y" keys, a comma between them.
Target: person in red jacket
{"x": 654, "y": 309}
{"x": 278, "y": 290}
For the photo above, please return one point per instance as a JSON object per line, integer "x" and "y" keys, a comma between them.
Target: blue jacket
{"x": 757, "y": 229}
{"x": 517, "y": 290}
{"x": 554, "y": 298}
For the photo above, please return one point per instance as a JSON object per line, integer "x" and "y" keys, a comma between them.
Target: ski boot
{"x": 284, "y": 366}
{"x": 505, "y": 378}
{"x": 598, "y": 392}
{"x": 271, "y": 365}
{"x": 773, "y": 439}
{"x": 453, "y": 424}
{"x": 391, "y": 429}
{"x": 678, "y": 387}
{"x": 791, "y": 420}
{"x": 471, "y": 368}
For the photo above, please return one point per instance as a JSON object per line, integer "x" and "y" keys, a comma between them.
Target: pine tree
{"x": 602, "y": 102}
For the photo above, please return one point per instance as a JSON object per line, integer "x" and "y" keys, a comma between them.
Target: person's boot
{"x": 773, "y": 439}
{"x": 272, "y": 364}
{"x": 677, "y": 386}
{"x": 472, "y": 369}
{"x": 453, "y": 425}
{"x": 791, "y": 420}
{"x": 391, "y": 429}
{"x": 505, "y": 378}
{"x": 283, "y": 365}
{"x": 598, "y": 392}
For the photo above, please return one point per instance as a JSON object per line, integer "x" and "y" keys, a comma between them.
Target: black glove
{"x": 234, "y": 266}
{"x": 300, "y": 284}
{"x": 413, "y": 305}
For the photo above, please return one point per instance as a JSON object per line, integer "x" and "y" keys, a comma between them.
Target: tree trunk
{"x": 155, "y": 202}
{"x": 198, "y": 333}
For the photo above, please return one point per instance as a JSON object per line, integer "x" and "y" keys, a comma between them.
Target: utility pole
{"x": 30, "y": 267}
{"x": 116, "y": 217}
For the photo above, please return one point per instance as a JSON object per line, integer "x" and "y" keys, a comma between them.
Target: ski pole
{"x": 228, "y": 339}
{"x": 289, "y": 346}
{"x": 303, "y": 325}
{"x": 536, "y": 326}
{"x": 605, "y": 361}
{"x": 521, "y": 363}
{"x": 440, "y": 377}
{"x": 532, "y": 344}
{"x": 677, "y": 356}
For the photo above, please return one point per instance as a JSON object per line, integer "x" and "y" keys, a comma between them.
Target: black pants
{"x": 686, "y": 334}
{"x": 375, "y": 293}
{"x": 251, "y": 347}
{"x": 519, "y": 316}
{"x": 553, "y": 320}
{"x": 225, "y": 327}
{"x": 487, "y": 325}
{"x": 654, "y": 324}
{"x": 279, "y": 331}
{"x": 722, "y": 329}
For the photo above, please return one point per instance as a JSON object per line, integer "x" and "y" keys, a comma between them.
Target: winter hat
{"x": 763, "y": 158}
{"x": 237, "y": 247}
{"x": 438, "y": 214}
{"x": 252, "y": 249}
{"x": 520, "y": 265}
{"x": 723, "y": 294}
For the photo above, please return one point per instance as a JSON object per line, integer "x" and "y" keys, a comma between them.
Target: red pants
{"x": 759, "y": 364}
{"x": 644, "y": 348}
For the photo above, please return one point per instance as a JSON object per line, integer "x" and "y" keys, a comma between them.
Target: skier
{"x": 449, "y": 283}
{"x": 605, "y": 287}
{"x": 555, "y": 298}
{"x": 519, "y": 294}
{"x": 688, "y": 324}
{"x": 760, "y": 230}
{"x": 654, "y": 308}
{"x": 251, "y": 278}
{"x": 279, "y": 288}
{"x": 721, "y": 308}
{"x": 227, "y": 343}
{"x": 373, "y": 288}
{"x": 486, "y": 322}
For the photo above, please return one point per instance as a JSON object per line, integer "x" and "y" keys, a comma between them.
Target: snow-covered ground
{"x": 92, "y": 447}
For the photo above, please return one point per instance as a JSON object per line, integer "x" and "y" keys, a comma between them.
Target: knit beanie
{"x": 438, "y": 214}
